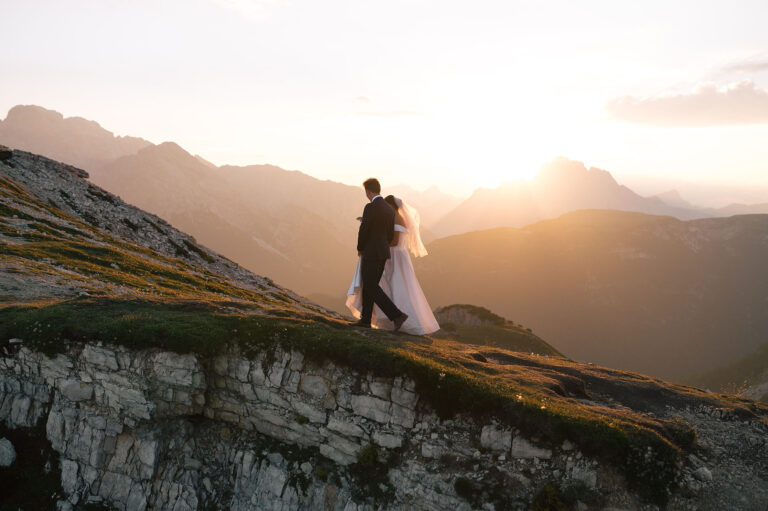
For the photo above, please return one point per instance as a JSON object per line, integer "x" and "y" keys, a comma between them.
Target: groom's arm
{"x": 365, "y": 229}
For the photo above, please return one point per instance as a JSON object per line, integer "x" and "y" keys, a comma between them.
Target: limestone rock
{"x": 372, "y": 408}
{"x": 7, "y": 453}
{"x": 585, "y": 475}
{"x": 345, "y": 428}
{"x": 315, "y": 386}
{"x": 100, "y": 357}
{"x": 431, "y": 450}
{"x": 495, "y": 438}
{"x": 76, "y": 390}
{"x": 703, "y": 474}
{"x": 387, "y": 440}
{"x": 522, "y": 448}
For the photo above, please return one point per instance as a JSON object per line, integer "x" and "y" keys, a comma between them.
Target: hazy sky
{"x": 461, "y": 94}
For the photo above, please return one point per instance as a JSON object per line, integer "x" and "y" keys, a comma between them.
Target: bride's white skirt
{"x": 400, "y": 284}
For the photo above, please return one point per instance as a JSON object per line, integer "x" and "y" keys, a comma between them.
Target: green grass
{"x": 447, "y": 377}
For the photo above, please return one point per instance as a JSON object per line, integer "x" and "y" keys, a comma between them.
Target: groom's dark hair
{"x": 372, "y": 185}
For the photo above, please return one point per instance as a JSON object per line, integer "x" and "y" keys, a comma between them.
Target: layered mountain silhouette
{"x": 279, "y": 223}
{"x": 73, "y": 140}
{"x": 298, "y": 229}
{"x": 649, "y": 293}
{"x": 560, "y": 186}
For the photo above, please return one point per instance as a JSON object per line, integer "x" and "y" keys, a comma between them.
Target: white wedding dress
{"x": 400, "y": 284}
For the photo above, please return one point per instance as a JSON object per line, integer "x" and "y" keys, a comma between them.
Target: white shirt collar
{"x": 376, "y": 197}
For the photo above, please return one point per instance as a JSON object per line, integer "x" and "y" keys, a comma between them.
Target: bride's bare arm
{"x": 395, "y": 239}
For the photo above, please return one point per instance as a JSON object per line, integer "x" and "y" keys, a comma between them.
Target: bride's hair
{"x": 391, "y": 201}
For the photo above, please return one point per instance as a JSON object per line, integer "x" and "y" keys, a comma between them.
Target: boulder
{"x": 7, "y": 453}
{"x": 703, "y": 474}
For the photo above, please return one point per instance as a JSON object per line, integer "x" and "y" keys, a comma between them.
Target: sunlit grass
{"x": 532, "y": 394}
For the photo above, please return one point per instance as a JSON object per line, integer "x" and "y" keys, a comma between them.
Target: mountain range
{"x": 73, "y": 140}
{"x": 647, "y": 293}
{"x": 560, "y": 186}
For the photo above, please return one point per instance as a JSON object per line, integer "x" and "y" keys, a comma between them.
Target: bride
{"x": 399, "y": 280}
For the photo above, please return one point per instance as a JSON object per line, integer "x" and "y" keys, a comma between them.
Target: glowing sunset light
{"x": 450, "y": 93}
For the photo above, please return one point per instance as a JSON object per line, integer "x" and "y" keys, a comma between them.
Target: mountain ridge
{"x": 75, "y": 140}
{"x": 560, "y": 186}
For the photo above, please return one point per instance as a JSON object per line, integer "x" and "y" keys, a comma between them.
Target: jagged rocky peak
{"x": 563, "y": 172}
{"x": 673, "y": 198}
{"x": 75, "y": 140}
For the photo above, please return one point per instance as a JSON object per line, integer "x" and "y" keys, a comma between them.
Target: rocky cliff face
{"x": 148, "y": 429}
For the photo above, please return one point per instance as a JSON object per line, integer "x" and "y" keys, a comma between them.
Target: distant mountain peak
{"x": 170, "y": 148}
{"x": 562, "y": 171}
{"x": 673, "y": 198}
{"x": 74, "y": 140}
{"x": 24, "y": 112}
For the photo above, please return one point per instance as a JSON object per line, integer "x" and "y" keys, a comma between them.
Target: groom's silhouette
{"x": 377, "y": 230}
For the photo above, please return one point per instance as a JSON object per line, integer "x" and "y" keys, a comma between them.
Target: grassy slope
{"x": 41, "y": 239}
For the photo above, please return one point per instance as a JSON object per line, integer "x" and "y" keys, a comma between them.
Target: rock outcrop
{"x": 149, "y": 429}
{"x": 7, "y": 453}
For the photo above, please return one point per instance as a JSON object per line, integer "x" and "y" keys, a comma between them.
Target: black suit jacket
{"x": 377, "y": 230}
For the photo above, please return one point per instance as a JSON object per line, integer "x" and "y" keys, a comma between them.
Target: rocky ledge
{"x": 147, "y": 429}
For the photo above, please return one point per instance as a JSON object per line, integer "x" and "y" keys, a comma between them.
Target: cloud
{"x": 748, "y": 66}
{"x": 707, "y": 105}
{"x": 363, "y": 99}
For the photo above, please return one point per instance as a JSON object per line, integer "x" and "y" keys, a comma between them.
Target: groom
{"x": 377, "y": 230}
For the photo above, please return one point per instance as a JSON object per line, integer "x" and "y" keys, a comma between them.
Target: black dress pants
{"x": 371, "y": 270}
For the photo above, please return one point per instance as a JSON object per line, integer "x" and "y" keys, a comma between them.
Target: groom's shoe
{"x": 360, "y": 324}
{"x": 399, "y": 321}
